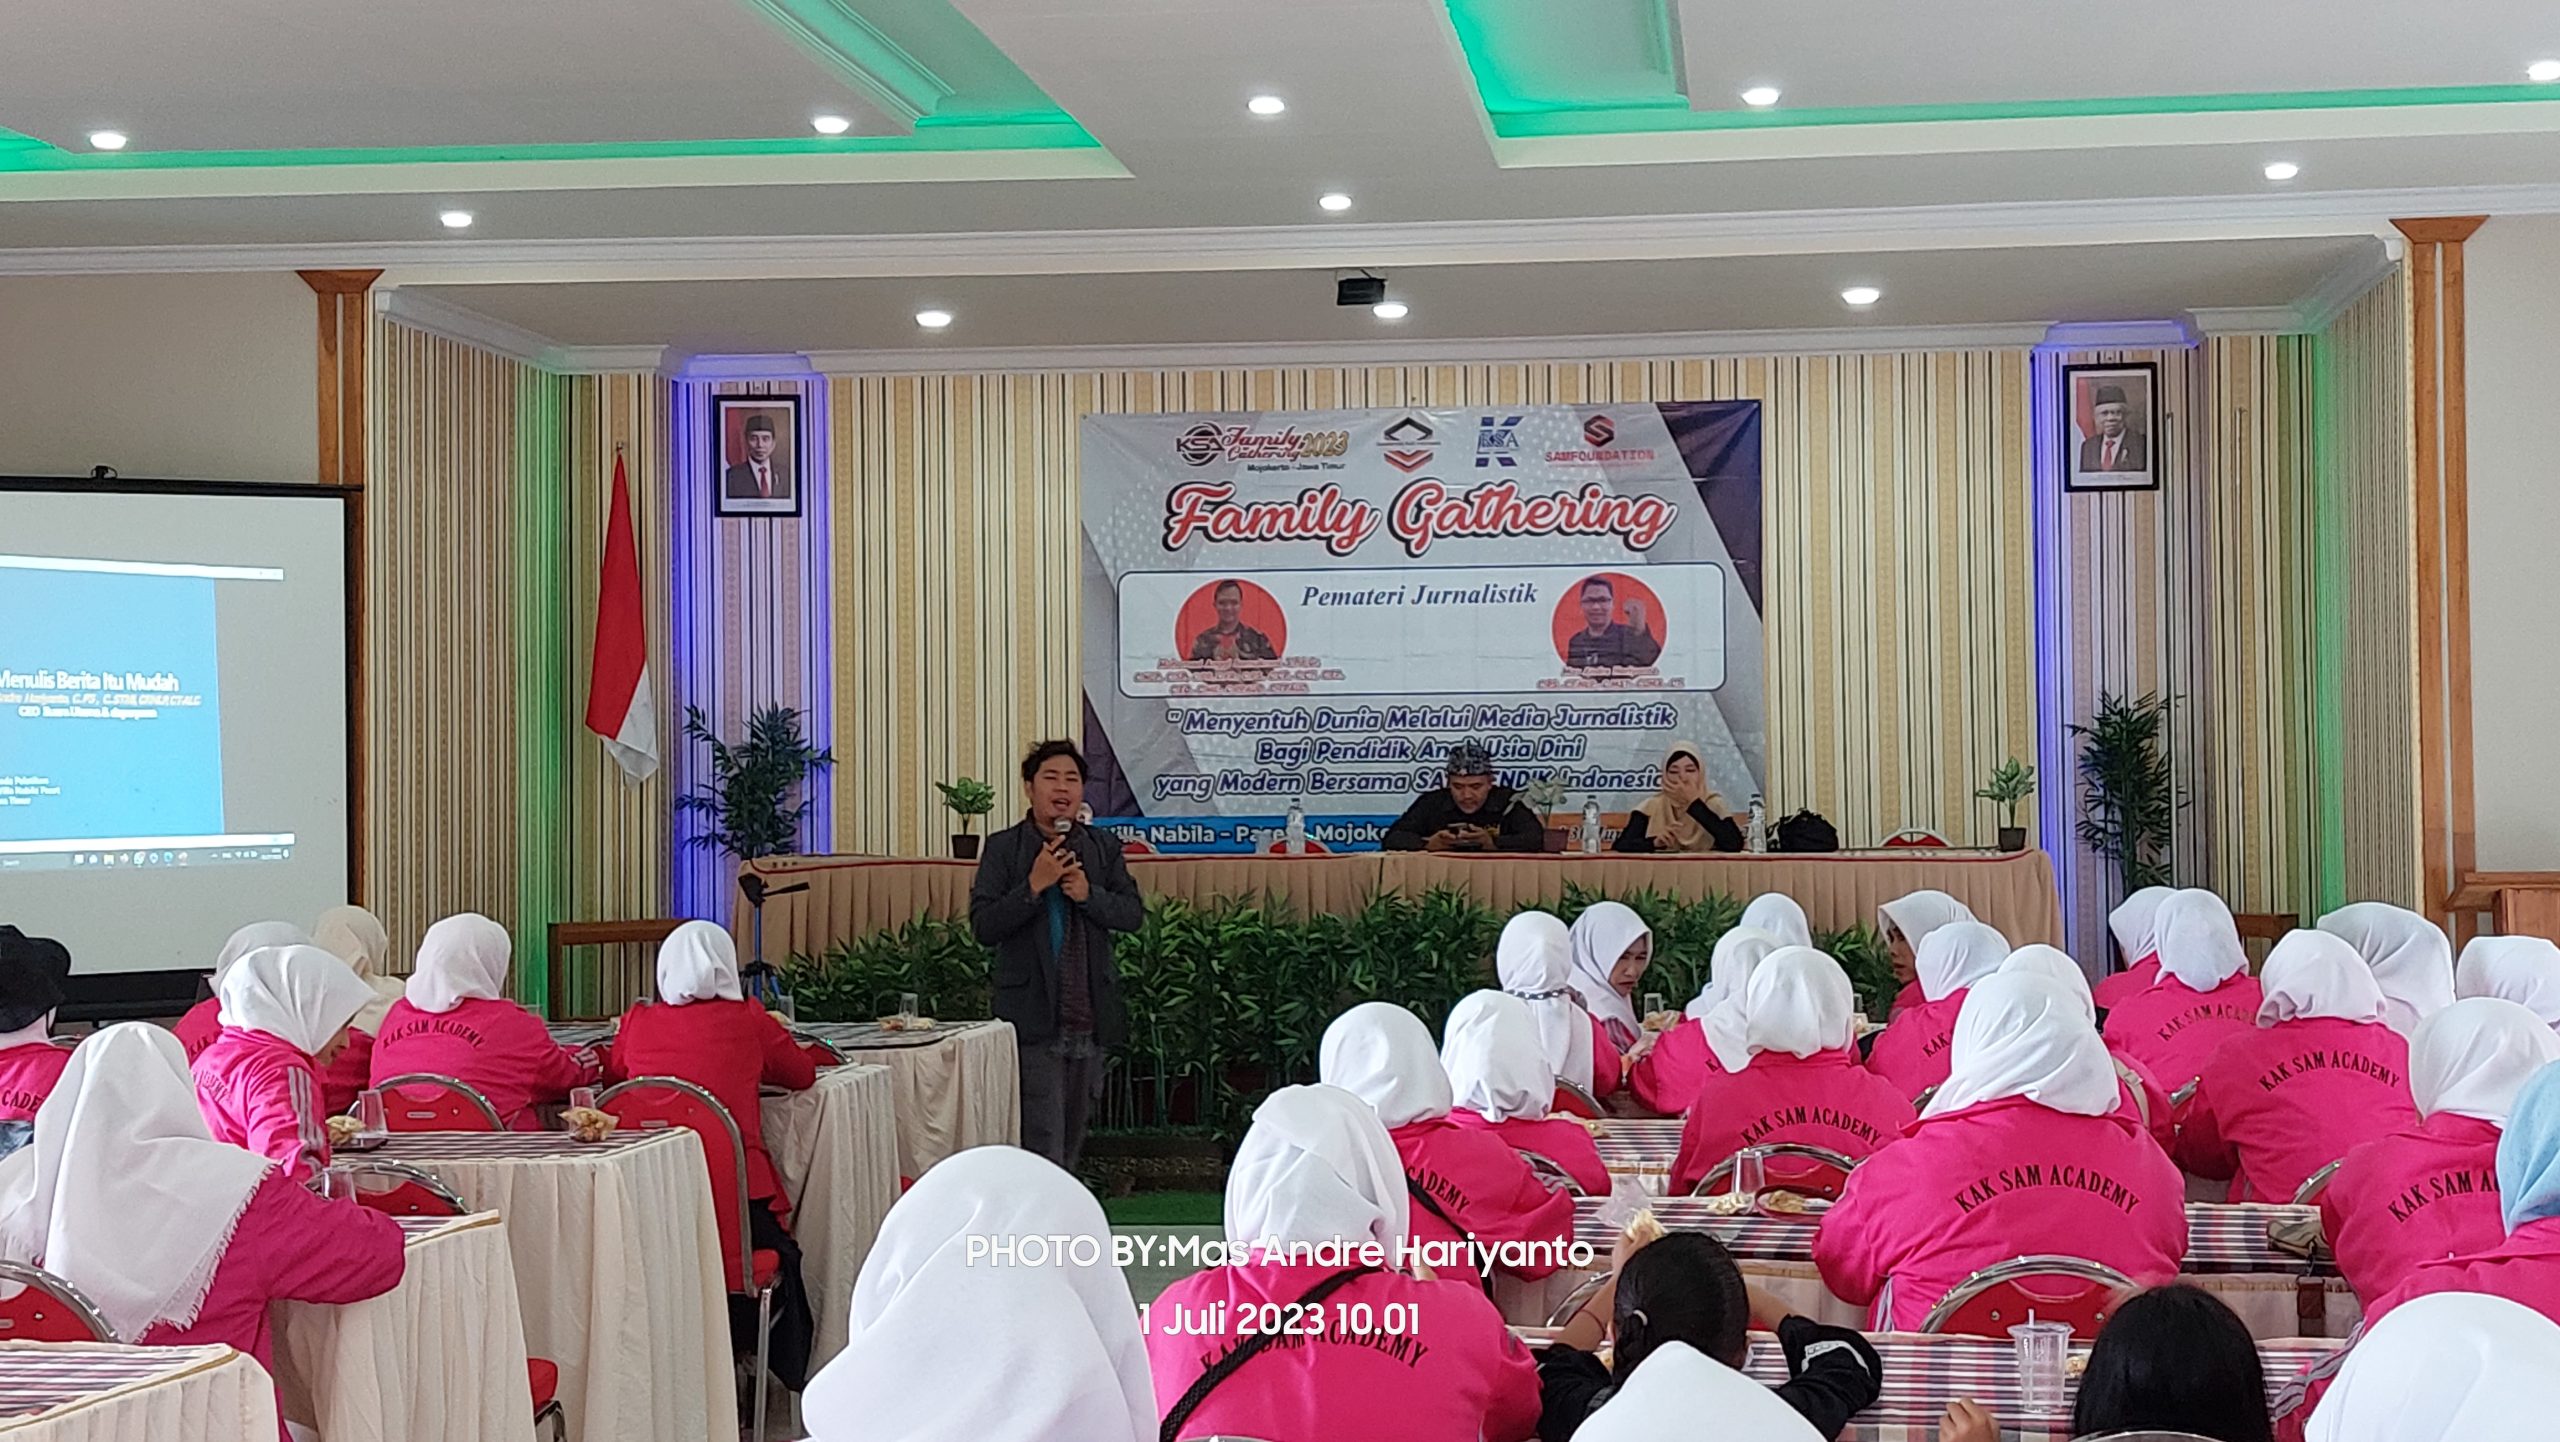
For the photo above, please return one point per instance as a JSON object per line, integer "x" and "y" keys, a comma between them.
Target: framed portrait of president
{"x": 2111, "y": 427}
{"x": 755, "y": 455}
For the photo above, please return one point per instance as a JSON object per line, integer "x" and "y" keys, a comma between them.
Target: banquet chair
{"x": 1575, "y": 1100}
{"x": 47, "y": 1308}
{"x": 662, "y": 1103}
{"x": 2133, "y": 1086}
{"x": 1824, "y": 1174}
{"x": 424, "y": 1102}
{"x": 1574, "y": 1300}
{"x": 2314, "y": 1184}
{"x": 1988, "y": 1302}
{"x": 1551, "y": 1173}
{"x": 818, "y": 1049}
{"x": 1915, "y": 838}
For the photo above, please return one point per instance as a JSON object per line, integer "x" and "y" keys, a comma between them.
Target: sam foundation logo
{"x": 1408, "y": 444}
{"x": 1599, "y": 433}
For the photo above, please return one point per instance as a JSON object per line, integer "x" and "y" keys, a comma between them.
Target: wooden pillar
{"x": 345, "y": 321}
{"x": 2440, "y": 435}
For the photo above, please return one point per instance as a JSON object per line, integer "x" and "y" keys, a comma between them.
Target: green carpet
{"x": 1166, "y": 1209}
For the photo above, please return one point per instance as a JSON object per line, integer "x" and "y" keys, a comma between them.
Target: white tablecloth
{"x": 617, "y": 1262}
{"x": 961, "y": 1092}
{"x": 439, "y": 1358}
{"x": 836, "y": 1146}
{"x": 98, "y": 1392}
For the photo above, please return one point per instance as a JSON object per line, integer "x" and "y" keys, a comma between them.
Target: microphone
{"x": 1062, "y": 824}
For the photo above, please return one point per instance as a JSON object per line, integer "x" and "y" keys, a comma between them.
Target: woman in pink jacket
{"x": 2524, "y": 1265}
{"x": 1911, "y": 1052}
{"x": 1534, "y": 962}
{"x": 1708, "y": 1041}
{"x": 2318, "y": 1074}
{"x": 1466, "y": 1184}
{"x": 1800, "y": 1080}
{"x": 2145, "y": 1104}
{"x": 2020, "y": 1153}
{"x": 1317, "y": 1208}
{"x": 2411, "y": 959}
{"x": 455, "y": 1021}
{"x": 357, "y": 937}
{"x": 1500, "y": 1084}
{"x": 2137, "y": 946}
{"x": 2430, "y": 1191}
{"x": 203, "y": 1022}
{"x": 285, "y": 1011}
{"x": 2521, "y": 969}
{"x": 2204, "y": 996}
{"x": 32, "y": 971}
{"x": 1904, "y": 923}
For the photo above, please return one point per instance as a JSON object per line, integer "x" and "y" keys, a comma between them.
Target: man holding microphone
{"x": 1050, "y": 892}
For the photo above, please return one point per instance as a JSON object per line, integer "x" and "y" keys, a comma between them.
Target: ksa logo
{"x": 1200, "y": 445}
{"x": 1497, "y": 442}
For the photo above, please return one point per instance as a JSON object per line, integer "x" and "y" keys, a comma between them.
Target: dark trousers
{"x": 795, "y": 1328}
{"x": 1061, "y": 1080}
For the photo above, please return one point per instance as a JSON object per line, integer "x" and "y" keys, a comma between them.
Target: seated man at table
{"x": 1468, "y": 814}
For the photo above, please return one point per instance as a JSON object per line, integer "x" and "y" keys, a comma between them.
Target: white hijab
{"x": 121, "y": 1191}
{"x": 2472, "y": 1058}
{"x": 2313, "y": 974}
{"x": 2132, "y": 922}
{"x": 1382, "y": 1054}
{"x": 1955, "y": 956}
{"x": 2024, "y": 1036}
{"x": 1489, "y": 1048}
{"x": 1055, "y": 1345}
{"x": 2199, "y": 942}
{"x": 251, "y": 937}
{"x": 299, "y": 995}
{"x": 1534, "y": 960}
{"x": 462, "y": 958}
{"x": 2050, "y": 963}
{"x": 1601, "y": 935}
{"x": 1727, "y": 994}
{"x": 2522, "y": 969}
{"x": 1918, "y": 914}
{"x": 1316, "y": 1166}
{"x": 2409, "y": 955}
{"x": 1777, "y": 914}
{"x": 1676, "y": 1386}
{"x": 2445, "y": 1367}
{"x": 1799, "y": 1002}
{"x": 698, "y": 962}
{"x": 357, "y": 937}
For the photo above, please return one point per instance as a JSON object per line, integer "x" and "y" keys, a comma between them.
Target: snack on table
{"x": 1787, "y": 1202}
{"x": 342, "y": 1130}
{"x": 1729, "y": 1204}
{"x": 1643, "y": 1229}
{"x": 1663, "y": 1020}
{"x": 2075, "y": 1364}
{"x": 906, "y": 1023}
{"x": 587, "y": 1124}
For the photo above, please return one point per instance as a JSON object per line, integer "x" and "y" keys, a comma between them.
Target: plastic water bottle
{"x": 1756, "y": 839}
{"x": 1591, "y": 826}
{"x": 1295, "y": 832}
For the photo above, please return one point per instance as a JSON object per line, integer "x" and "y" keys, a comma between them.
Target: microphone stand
{"x": 756, "y": 891}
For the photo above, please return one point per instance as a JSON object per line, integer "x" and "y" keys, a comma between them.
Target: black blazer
{"x": 1005, "y": 916}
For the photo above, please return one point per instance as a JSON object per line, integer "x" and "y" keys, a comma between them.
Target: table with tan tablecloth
{"x": 836, "y": 1148}
{"x": 617, "y": 1261}
{"x": 102, "y": 1392}
{"x": 439, "y": 1358}
{"x": 961, "y": 1090}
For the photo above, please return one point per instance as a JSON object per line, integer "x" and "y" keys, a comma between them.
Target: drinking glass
{"x": 1750, "y": 1172}
{"x": 907, "y": 1005}
{"x": 1653, "y": 1003}
{"x": 338, "y": 1184}
{"x": 583, "y": 1097}
{"x": 370, "y": 1120}
{"x": 2041, "y": 1348}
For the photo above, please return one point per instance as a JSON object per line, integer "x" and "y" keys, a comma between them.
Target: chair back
{"x": 1574, "y": 1100}
{"x": 425, "y": 1102}
{"x": 2133, "y": 1087}
{"x": 397, "y": 1189}
{"x": 819, "y": 1050}
{"x": 2314, "y": 1184}
{"x": 1911, "y": 837}
{"x": 658, "y": 1103}
{"x": 46, "y": 1308}
{"x": 1798, "y": 1167}
{"x": 2056, "y": 1289}
{"x": 1551, "y": 1172}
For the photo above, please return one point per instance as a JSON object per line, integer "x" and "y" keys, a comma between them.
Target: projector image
{"x": 1359, "y": 290}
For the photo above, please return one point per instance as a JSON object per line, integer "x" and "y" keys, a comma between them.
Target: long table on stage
{"x": 854, "y": 896}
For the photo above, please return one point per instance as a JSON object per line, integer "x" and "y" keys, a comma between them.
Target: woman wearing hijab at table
{"x": 707, "y": 1032}
{"x": 2205, "y": 995}
{"x": 1465, "y": 1183}
{"x": 2524, "y": 1265}
{"x": 1612, "y": 947}
{"x": 2318, "y": 1074}
{"x": 1501, "y": 1084}
{"x": 2020, "y": 1153}
{"x": 32, "y": 971}
{"x": 2410, "y": 957}
{"x": 456, "y": 1021}
{"x": 1800, "y": 1082}
{"x": 1317, "y": 1174}
{"x": 2430, "y": 1191}
{"x": 1911, "y": 1052}
{"x": 203, "y": 1021}
{"x": 178, "y": 1240}
{"x": 2145, "y": 1103}
{"x": 356, "y": 936}
{"x": 1708, "y": 1040}
{"x": 285, "y": 1011}
{"x": 2137, "y": 946}
{"x": 1056, "y": 1339}
{"x": 2521, "y": 969}
{"x": 1677, "y": 817}
{"x": 1778, "y": 914}
{"x": 1904, "y": 923}
{"x": 2454, "y": 1368}
{"x": 1534, "y": 962}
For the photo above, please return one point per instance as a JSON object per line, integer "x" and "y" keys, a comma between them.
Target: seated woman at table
{"x": 1777, "y": 913}
{"x": 2020, "y": 1153}
{"x": 2204, "y": 997}
{"x": 1466, "y": 1184}
{"x": 2136, "y": 945}
{"x": 2451, "y": 1368}
{"x": 2521, "y": 969}
{"x": 177, "y": 1239}
{"x": 1500, "y": 1083}
{"x": 1679, "y": 1306}
{"x": 356, "y": 936}
{"x": 1904, "y": 923}
{"x": 1317, "y": 1174}
{"x": 2174, "y": 1359}
{"x": 1911, "y": 1052}
{"x": 32, "y": 970}
{"x": 1708, "y": 1041}
{"x": 1612, "y": 949}
{"x": 1800, "y": 1082}
{"x": 1683, "y": 813}
{"x": 2411, "y": 959}
{"x": 707, "y": 1032}
{"x": 1057, "y": 1341}
{"x": 2524, "y": 1265}
{"x": 203, "y": 1021}
{"x": 285, "y": 1011}
{"x": 455, "y": 1020}
{"x": 1534, "y": 962}
{"x": 2318, "y": 1074}
{"x": 2145, "y": 1104}
{"x": 2430, "y": 1191}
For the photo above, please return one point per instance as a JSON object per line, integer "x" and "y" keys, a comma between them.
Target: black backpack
{"x": 1806, "y": 831}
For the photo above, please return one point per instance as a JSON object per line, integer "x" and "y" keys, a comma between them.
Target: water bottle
{"x": 1591, "y": 826}
{"x": 1756, "y": 839}
{"x": 1294, "y": 834}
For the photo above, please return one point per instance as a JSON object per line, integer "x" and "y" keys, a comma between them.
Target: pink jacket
{"x": 2422, "y": 1194}
{"x": 197, "y": 1029}
{"x": 1484, "y": 1187}
{"x": 351, "y": 1073}
{"x": 1993, "y": 1182}
{"x": 2171, "y": 1029}
{"x": 1558, "y": 1139}
{"x": 2523, "y": 1267}
{"x": 1911, "y": 1051}
{"x": 1437, "y": 1365}
{"x": 254, "y": 1090}
{"x": 2116, "y": 989}
{"x": 1667, "y": 1078}
{"x": 1608, "y": 1073}
{"x": 496, "y": 1046}
{"x": 27, "y": 1075}
{"x": 2277, "y": 1103}
{"x": 1904, "y": 1000}
{"x": 1823, "y": 1100}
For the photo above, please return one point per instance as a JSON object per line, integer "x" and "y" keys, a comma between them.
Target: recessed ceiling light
{"x": 1389, "y": 310}
{"x": 2543, "y": 72}
{"x": 933, "y": 319}
{"x": 1266, "y": 105}
{"x": 1862, "y": 295}
{"x": 456, "y": 219}
{"x": 830, "y": 124}
{"x": 1334, "y": 200}
{"x": 1760, "y": 97}
{"x": 106, "y": 139}
{"x": 2282, "y": 170}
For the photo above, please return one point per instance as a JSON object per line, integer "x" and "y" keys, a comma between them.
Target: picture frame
{"x": 748, "y": 478}
{"x": 2109, "y": 424}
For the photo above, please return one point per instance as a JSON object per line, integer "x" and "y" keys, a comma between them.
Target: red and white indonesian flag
{"x": 620, "y": 707}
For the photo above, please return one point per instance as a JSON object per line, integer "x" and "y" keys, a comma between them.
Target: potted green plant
{"x": 2010, "y": 785}
{"x": 2129, "y": 796}
{"x": 747, "y": 804}
{"x": 969, "y": 799}
{"x": 1543, "y": 796}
